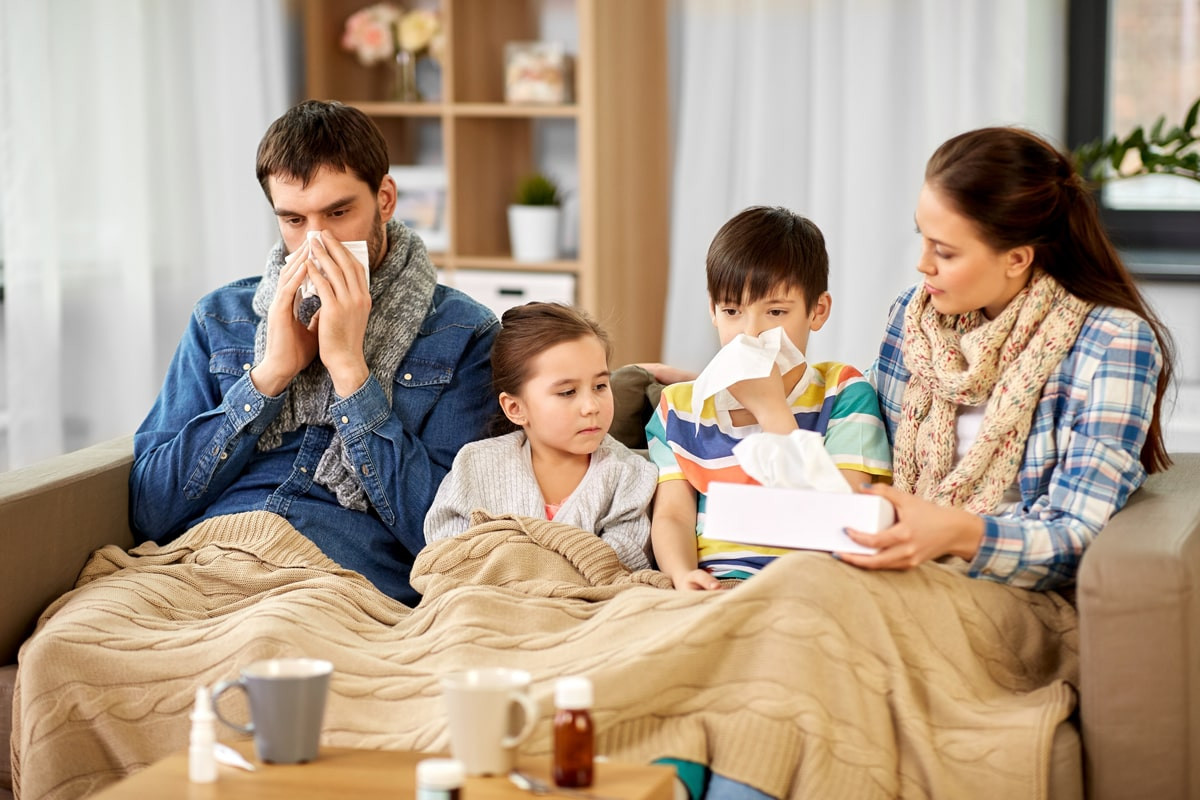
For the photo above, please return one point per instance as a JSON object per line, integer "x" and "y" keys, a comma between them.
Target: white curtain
{"x": 127, "y": 137}
{"x": 831, "y": 108}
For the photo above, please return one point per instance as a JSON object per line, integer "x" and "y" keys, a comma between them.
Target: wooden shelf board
{"x": 390, "y": 109}
{"x": 508, "y": 263}
{"x": 519, "y": 111}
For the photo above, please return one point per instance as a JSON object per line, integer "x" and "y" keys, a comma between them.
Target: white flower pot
{"x": 533, "y": 232}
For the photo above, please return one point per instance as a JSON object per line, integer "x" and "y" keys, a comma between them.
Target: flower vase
{"x": 404, "y": 79}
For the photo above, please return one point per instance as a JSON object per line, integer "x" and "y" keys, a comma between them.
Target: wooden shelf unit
{"x": 619, "y": 118}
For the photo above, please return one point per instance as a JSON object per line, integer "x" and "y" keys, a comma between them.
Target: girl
{"x": 1022, "y": 378}
{"x": 555, "y": 459}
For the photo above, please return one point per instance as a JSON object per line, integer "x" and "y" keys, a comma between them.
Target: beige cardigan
{"x": 496, "y": 475}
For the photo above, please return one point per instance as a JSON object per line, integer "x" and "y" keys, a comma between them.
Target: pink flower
{"x": 371, "y": 33}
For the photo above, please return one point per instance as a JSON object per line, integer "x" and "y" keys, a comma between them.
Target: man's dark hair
{"x": 317, "y": 134}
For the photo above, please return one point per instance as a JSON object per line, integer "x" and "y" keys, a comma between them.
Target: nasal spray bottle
{"x": 202, "y": 760}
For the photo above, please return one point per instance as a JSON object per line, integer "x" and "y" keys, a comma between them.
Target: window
{"x": 1130, "y": 62}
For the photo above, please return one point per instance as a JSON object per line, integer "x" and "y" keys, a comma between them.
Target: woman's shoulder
{"x": 904, "y": 297}
{"x": 1107, "y": 327}
{"x": 896, "y": 310}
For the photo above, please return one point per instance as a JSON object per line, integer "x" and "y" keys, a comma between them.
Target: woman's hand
{"x": 923, "y": 531}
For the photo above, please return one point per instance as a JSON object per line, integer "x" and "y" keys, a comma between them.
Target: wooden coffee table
{"x": 343, "y": 772}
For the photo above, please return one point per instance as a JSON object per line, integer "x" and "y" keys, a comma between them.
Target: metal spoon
{"x": 540, "y": 787}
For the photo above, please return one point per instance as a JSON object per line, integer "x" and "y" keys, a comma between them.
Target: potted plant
{"x": 1164, "y": 150}
{"x": 534, "y": 219}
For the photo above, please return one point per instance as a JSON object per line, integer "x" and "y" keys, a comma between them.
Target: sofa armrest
{"x": 53, "y": 515}
{"x": 1139, "y": 617}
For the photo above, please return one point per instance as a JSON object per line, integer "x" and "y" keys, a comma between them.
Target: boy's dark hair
{"x": 316, "y": 134}
{"x": 527, "y": 331}
{"x": 764, "y": 248}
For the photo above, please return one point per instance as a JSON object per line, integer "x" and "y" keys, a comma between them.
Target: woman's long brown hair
{"x": 1020, "y": 190}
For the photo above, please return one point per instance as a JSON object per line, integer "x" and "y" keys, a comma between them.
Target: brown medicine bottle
{"x": 574, "y": 738}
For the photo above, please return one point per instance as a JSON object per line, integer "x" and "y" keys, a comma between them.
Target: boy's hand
{"x": 697, "y": 579}
{"x": 766, "y": 400}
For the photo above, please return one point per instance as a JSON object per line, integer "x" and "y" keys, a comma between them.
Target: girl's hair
{"x": 1020, "y": 190}
{"x": 763, "y": 248}
{"x": 527, "y": 331}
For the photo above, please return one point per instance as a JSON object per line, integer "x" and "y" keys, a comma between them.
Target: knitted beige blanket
{"x": 814, "y": 679}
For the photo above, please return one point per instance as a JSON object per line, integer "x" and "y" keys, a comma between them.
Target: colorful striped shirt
{"x": 832, "y": 399}
{"x": 1082, "y": 456}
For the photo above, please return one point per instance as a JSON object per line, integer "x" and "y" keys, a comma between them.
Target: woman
{"x": 1022, "y": 379}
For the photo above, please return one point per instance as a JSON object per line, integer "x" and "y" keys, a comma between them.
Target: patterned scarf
{"x": 401, "y": 291}
{"x": 966, "y": 360}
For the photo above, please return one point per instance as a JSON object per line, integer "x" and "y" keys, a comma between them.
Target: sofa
{"x": 1137, "y": 731}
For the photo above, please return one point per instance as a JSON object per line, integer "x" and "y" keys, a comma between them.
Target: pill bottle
{"x": 440, "y": 779}
{"x": 574, "y": 738}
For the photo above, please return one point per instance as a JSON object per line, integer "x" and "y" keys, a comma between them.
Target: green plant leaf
{"x": 1117, "y": 156}
{"x": 1189, "y": 120}
{"x": 1164, "y": 150}
{"x": 536, "y": 189}
{"x": 1156, "y": 132}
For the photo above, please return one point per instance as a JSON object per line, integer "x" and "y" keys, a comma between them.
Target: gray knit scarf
{"x": 401, "y": 293}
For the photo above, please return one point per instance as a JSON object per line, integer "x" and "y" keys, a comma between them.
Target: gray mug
{"x": 287, "y": 706}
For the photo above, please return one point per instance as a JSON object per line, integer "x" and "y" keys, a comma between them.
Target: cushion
{"x": 8, "y": 677}
{"x": 635, "y": 396}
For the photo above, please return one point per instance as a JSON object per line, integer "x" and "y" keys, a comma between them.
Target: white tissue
{"x": 796, "y": 460}
{"x": 745, "y": 357}
{"x": 358, "y": 249}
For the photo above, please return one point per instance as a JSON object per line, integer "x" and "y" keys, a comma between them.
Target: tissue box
{"x": 793, "y": 518}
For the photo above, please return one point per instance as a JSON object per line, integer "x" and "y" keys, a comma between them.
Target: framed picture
{"x": 421, "y": 202}
{"x": 537, "y": 72}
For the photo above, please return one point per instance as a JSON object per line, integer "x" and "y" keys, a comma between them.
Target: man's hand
{"x": 666, "y": 374}
{"x": 290, "y": 346}
{"x": 341, "y": 322}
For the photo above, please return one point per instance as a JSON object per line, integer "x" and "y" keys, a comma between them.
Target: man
{"x": 344, "y": 426}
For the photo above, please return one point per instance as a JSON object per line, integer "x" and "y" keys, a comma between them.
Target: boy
{"x": 767, "y": 268}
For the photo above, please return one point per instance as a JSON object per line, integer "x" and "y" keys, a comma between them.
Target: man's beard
{"x": 377, "y": 245}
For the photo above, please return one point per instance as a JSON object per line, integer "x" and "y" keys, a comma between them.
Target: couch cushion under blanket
{"x": 8, "y": 676}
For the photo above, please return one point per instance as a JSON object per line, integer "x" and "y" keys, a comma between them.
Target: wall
{"x": 1177, "y": 304}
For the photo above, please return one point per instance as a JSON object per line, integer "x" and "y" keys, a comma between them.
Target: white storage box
{"x": 794, "y": 518}
{"x": 501, "y": 290}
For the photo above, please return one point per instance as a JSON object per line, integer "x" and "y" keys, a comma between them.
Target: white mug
{"x": 490, "y": 713}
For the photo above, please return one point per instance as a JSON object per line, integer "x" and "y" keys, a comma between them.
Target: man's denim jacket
{"x": 196, "y": 455}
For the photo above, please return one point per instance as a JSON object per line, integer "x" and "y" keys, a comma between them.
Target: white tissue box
{"x": 800, "y": 519}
